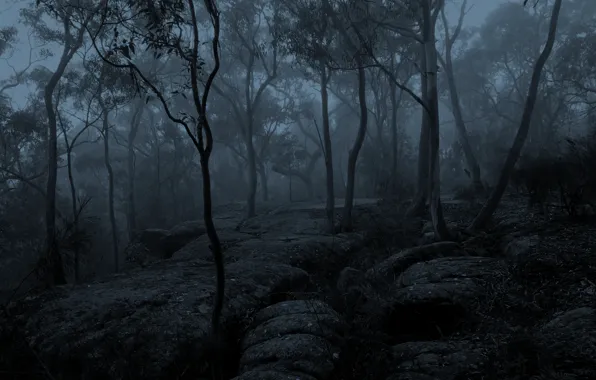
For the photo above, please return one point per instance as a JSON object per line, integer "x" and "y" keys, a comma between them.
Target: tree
{"x": 70, "y": 143}
{"x": 447, "y": 64}
{"x": 255, "y": 49}
{"x": 357, "y": 55}
{"x": 135, "y": 123}
{"x": 161, "y": 37}
{"x": 309, "y": 36}
{"x": 72, "y": 38}
{"x": 19, "y": 75}
{"x": 105, "y": 109}
{"x": 293, "y": 159}
{"x": 424, "y": 13}
{"x": 431, "y": 94}
{"x": 493, "y": 202}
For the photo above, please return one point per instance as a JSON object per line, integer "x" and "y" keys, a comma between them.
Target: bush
{"x": 568, "y": 180}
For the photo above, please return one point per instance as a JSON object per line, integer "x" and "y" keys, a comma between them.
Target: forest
{"x": 336, "y": 148}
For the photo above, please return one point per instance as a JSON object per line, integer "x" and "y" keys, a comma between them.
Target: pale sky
{"x": 9, "y": 16}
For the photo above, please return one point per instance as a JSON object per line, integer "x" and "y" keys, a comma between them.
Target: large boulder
{"x": 182, "y": 234}
{"x": 391, "y": 268}
{"x": 293, "y": 338}
{"x": 155, "y": 244}
{"x": 433, "y": 299}
{"x": 448, "y": 360}
{"x": 150, "y": 323}
{"x": 570, "y": 337}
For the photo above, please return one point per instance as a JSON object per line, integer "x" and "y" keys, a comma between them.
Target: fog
{"x": 109, "y": 128}
{"x": 153, "y": 169}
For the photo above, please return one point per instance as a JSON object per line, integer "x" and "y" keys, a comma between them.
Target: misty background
{"x": 124, "y": 166}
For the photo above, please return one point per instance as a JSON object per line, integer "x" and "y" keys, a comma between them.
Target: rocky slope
{"x": 513, "y": 303}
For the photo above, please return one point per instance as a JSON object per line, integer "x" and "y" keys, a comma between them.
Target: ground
{"x": 517, "y": 301}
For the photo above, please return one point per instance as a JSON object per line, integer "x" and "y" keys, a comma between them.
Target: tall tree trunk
{"x": 71, "y": 45}
{"x": 74, "y": 208}
{"x": 52, "y": 249}
{"x": 346, "y": 223}
{"x": 432, "y": 100}
{"x": 131, "y": 214}
{"x": 159, "y": 217}
{"x": 421, "y": 197}
{"x": 310, "y": 191}
{"x": 110, "y": 171}
{"x": 460, "y": 125}
{"x": 524, "y": 127}
{"x": 251, "y": 155}
{"x": 174, "y": 198}
{"x": 264, "y": 184}
{"x": 327, "y": 150}
{"x": 394, "y": 135}
{"x": 310, "y": 168}
{"x": 252, "y": 171}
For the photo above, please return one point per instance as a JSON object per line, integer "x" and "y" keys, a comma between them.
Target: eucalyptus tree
{"x": 524, "y": 126}
{"x": 73, "y": 137}
{"x": 415, "y": 20}
{"x": 343, "y": 15}
{"x": 456, "y": 108}
{"x": 250, "y": 67}
{"x": 309, "y": 36}
{"x": 74, "y": 19}
{"x": 173, "y": 27}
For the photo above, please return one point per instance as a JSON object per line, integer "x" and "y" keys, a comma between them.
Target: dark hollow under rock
{"x": 433, "y": 299}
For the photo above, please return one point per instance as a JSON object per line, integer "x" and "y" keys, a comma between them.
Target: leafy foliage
{"x": 568, "y": 178}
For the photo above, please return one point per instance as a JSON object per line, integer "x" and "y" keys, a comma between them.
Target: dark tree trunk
{"x": 421, "y": 197}
{"x": 491, "y": 205}
{"x": 355, "y": 151}
{"x": 131, "y": 214}
{"x": 327, "y": 150}
{"x": 110, "y": 171}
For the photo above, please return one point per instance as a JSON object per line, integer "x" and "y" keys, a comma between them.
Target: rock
{"x": 427, "y": 238}
{"x": 434, "y": 298}
{"x": 437, "y": 360}
{"x": 152, "y": 238}
{"x": 314, "y": 307}
{"x": 272, "y": 375}
{"x": 387, "y": 271}
{"x": 284, "y": 221}
{"x": 199, "y": 248}
{"x": 143, "y": 323}
{"x": 527, "y": 259}
{"x": 350, "y": 278}
{"x": 427, "y": 227}
{"x": 570, "y": 336}
{"x": 509, "y": 223}
{"x": 356, "y": 294}
{"x": 521, "y": 247}
{"x": 308, "y": 252}
{"x": 182, "y": 234}
{"x": 301, "y": 353}
{"x": 327, "y": 326}
{"x": 157, "y": 244}
{"x": 450, "y": 269}
{"x": 293, "y": 338}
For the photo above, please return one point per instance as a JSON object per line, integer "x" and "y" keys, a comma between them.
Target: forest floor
{"x": 515, "y": 302}
{"x": 535, "y": 320}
